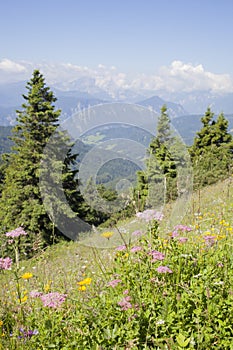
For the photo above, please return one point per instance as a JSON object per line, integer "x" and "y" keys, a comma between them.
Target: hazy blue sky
{"x": 133, "y": 35}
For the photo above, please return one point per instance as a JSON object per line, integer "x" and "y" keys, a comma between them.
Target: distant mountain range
{"x": 72, "y": 101}
{"x": 185, "y": 109}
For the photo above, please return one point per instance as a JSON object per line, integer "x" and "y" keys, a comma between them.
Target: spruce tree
{"x": 159, "y": 178}
{"x": 21, "y": 203}
{"x": 212, "y": 150}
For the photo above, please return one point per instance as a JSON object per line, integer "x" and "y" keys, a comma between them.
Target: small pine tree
{"x": 212, "y": 150}
{"x": 159, "y": 178}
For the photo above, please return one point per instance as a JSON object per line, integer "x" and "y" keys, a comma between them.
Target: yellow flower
{"x": 1, "y": 323}
{"x": 23, "y": 299}
{"x": 82, "y": 288}
{"x": 27, "y": 275}
{"x": 107, "y": 234}
{"x": 47, "y": 286}
{"x": 84, "y": 282}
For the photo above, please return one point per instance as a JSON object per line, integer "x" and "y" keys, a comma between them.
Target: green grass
{"x": 191, "y": 308}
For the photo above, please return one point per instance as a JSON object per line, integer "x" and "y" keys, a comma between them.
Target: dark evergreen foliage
{"x": 157, "y": 184}
{"x": 212, "y": 150}
{"x": 21, "y": 203}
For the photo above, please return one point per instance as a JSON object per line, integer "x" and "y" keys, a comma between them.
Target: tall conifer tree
{"x": 21, "y": 203}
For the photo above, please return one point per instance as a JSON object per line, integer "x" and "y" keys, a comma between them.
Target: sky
{"x": 138, "y": 43}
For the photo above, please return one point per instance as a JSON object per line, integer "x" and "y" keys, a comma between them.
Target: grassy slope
{"x": 61, "y": 266}
{"x": 70, "y": 260}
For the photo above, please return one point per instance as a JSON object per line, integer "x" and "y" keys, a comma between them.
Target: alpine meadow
{"x": 129, "y": 278}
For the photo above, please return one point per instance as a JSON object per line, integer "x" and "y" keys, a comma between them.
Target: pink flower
{"x": 16, "y": 233}
{"x": 209, "y": 240}
{"x": 137, "y": 233}
{"x": 174, "y": 234}
{"x": 136, "y": 249}
{"x": 35, "y": 294}
{"x": 114, "y": 283}
{"x": 182, "y": 239}
{"x": 156, "y": 255}
{"x": 5, "y": 263}
{"x": 164, "y": 269}
{"x": 125, "y": 303}
{"x": 121, "y": 247}
{"x": 220, "y": 264}
{"x": 182, "y": 228}
{"x": 150, "y": 214}
{"x": 53, "y": 300}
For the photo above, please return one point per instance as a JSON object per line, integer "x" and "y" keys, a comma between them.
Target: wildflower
{"x": 209, "y": 240}
{"x": 53, "y": 300}
{"x": 220, "y": 264}
{"x": 219, "y": 283}
{"x": 16, "y": 233}
{"x": 182, "y": 239}
{"x": 154, "y": 280}
{"x": 47, "y": 286}
{"x": 174, "y": 234}
{"x": 159, "y": 322}
{"x": 156, "y": 255}
{"x": 107, "y": 234}
{"x": 5, "y": 263}
{"x": 136, "y": 249}
{"x": 35, "y": 294}
{"x": 23, "y": 299}
{"x": 114, "y": 283}
{"x": 149, "y": 215}
{"x": 125, "y": 303}
{"x": 126, "y": 292}
{"x": 121, "y": 248}
{"x": 82, "y": 288}
{"x": 164, "y": 269}
{"x": 28, "y": 334}
{"x": 1, "y": 323}
{"x": 137, "y": 233}
{"x": 27, "y": 275}
{"x": 182, "y": 228}
{"x": 84, "y": 282}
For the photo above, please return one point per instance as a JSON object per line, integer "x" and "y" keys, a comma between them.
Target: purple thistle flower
{"x": 5, "y": 263}
{"x": 53, "y": 299}
{"x": 156, "y": 255}
{"x": 16, "y": 233}
{"x": 121, "y": 248}
{"x": 150, "y": 214}
{"x": 164, "y": 269}
{"x": 125, "y": 303}
{"x": 114, "y": 283}
{"x": 136, "y": 249}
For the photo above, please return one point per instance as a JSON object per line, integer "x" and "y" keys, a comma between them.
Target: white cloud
{"x": 9, "y": 66}
{"x": 187, "y": 77}
{"x": 177, "y": 77}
